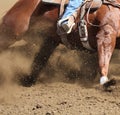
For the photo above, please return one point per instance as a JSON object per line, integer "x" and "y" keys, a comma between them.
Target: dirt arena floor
{"x": 68, "y": 85}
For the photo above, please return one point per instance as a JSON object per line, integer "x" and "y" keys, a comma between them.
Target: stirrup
{"x": 67, "y": 28}
{"x": 83, "y": 33}
{"x": 64, "y": 24}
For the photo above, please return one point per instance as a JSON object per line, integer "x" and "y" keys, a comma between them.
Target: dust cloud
{"x": 66, "y": 85}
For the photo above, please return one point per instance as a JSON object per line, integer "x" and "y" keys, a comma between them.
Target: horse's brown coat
{"x": 18, "y": 17}
{"x": 103, "y": 37}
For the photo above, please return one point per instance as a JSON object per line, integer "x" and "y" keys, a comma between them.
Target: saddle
{"x": 54, "y": 2}
{"x": 95, "y": 3}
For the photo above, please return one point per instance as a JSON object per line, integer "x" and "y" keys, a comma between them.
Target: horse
{"x": 102, "y": 37}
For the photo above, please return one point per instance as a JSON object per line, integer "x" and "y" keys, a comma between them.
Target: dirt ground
{"x": 68, "y": 85}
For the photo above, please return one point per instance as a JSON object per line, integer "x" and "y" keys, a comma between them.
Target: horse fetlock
{"x": 103, "y": 80}
{"x": 28, "y": 81}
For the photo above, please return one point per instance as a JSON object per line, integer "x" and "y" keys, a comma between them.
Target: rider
{"x": 68, "y": 19}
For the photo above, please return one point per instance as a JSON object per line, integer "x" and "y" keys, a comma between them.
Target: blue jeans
{"x": 71, "y": 7}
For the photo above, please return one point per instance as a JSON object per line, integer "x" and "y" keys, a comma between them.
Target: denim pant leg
{"x": 71, "y": 7}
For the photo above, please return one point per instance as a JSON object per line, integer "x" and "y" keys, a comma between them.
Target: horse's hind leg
{"x": 106, "y": 39}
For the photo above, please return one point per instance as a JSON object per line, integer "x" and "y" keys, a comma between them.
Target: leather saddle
{"x": 54, "y": 2}
{"x": 95, "y": 3}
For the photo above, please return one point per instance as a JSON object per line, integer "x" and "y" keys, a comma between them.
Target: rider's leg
{"x": 69, "y": 16}
{"x": 72, "y": 6}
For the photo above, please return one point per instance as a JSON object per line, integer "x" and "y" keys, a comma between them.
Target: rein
{"x": 112, "y": 3}
{"x": 105, "y": 2}
{"x": 88, "y": 12}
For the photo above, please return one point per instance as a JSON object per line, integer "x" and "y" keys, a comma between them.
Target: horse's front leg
{"x": 106, "y": 39}
{"x": 40, "y": 60}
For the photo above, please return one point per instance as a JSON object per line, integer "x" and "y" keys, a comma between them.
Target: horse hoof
{"x": 27, "y": 81}
{"x": 109, "y": 83}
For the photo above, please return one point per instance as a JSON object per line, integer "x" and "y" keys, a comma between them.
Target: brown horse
{"x": 103, "y": 37}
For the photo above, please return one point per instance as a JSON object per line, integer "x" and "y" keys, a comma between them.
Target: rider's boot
{"x": 67, "y": 24}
